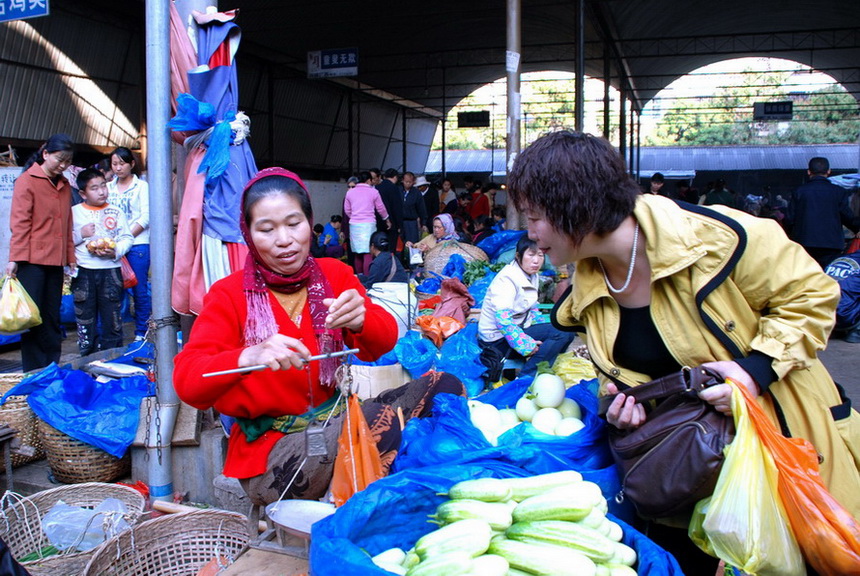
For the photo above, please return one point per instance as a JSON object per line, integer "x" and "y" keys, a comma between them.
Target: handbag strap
{"x": 685, "y": 380}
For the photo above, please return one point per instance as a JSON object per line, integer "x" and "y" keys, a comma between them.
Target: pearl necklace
{"x": 626, "y": 285}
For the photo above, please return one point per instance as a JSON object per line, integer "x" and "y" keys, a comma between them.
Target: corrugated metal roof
{"x": 73, "y": 75}
{"x": 684, "y": 159}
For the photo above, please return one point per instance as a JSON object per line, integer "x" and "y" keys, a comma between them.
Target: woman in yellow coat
{"x": 660, "y": 285}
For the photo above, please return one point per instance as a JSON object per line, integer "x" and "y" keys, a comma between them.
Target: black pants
{"x": 98, "y": 300}
{"x": 42, "y": 344}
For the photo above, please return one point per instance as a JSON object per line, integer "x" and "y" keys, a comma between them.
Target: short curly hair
{"x": 579, "y": 182}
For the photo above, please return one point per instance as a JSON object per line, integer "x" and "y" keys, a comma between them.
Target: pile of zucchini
{"x": 552, "y": 524}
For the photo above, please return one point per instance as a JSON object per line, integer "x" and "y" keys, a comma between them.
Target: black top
{"x": 380, "y": 271}
{"x": 639, "y": 346}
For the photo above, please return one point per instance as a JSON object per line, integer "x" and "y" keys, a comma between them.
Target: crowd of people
{"x": 81, "y": 231}
{"x": 413, "y": 213}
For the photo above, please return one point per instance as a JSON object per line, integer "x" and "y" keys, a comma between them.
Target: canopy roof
{"x": 414, "y": 49}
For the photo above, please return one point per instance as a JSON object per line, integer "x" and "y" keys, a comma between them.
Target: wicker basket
{"x": 16, "y": 413}
{"x": 175, "y": 545}
{"x": 21, "y": 526}
{"x": 436, "y": 259}
{"x": 73, "y": 461}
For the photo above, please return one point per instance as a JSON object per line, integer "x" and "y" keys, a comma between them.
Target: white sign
{"x": 7, "y": 183}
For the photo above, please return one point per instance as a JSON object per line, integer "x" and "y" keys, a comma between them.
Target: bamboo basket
{"x": 18, "y": 415}
{"x": 73, "y": 461}
{"x": 175, "y": 545}
{"x": 436, "y": 259}
{"x": 21, "y": 524}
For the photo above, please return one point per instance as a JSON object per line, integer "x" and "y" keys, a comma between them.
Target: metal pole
{"x": 349, "y": 159}
{"x": 161, "y": 242}
{"x": 513, "y": 66}
{"x": 444, "y": 118}
{"x": 403, "y": 126}
{"x": 622, "y": 119}
{"x": 638, "y": 145}
{"x": 607, "y": 82}
{"x": 579, "y": 80}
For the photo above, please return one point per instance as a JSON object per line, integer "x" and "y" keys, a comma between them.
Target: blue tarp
{"x": 103, "y": 414}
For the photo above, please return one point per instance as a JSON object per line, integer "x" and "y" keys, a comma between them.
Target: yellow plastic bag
{"x": 17, "y": 310}
{"x": 744, "y": 522}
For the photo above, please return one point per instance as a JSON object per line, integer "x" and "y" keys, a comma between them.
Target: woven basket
{"x": 21, "y": 527}
{"x": 73, "y": 461}
{"x": 175, "y": 545}
{"x": 436, "y": 259}
{"x": 16, "y": 413}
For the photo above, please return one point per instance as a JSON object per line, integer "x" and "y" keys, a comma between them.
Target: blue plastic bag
{"x": 416, "y": 353}
{"x": 500, "y": 242}
{"x": 386, "y": 359}
{"x": 102, "y": 414}
{"x": 479, "y": 289}
{"x": 447, "y": 434}
{"x": 455, "y": 267}
{"x": 460, "y": 355}
{"x": 394, "y": 511}
{"x": 431, "y": 284}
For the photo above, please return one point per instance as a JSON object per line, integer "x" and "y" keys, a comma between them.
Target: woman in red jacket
{"x": 41, "y": 245}
{"x": 284, "y": 307}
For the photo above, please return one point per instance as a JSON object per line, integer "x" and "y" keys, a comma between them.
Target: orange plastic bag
{"x": 828, "y": 534}
{"x": 358, "y": 462}
{"x": 438, "y": 329}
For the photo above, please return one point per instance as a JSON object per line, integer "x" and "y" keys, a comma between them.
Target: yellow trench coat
{"x": 724, "y": 283}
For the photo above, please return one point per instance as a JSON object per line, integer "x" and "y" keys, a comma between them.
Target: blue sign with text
{"x": 21, "y": 9}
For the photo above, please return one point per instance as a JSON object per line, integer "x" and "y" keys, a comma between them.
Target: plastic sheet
{"x": 103, "y": 414}
{"x": 448, "y": 434}
{"x": 393, "y": 512}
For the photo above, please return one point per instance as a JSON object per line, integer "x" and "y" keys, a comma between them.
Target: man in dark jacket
{"x": 390, "y": 194}
{"x": 817, "y": 212}
{"x": 414, "y": 214}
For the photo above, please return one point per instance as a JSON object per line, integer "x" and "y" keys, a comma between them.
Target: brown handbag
{"x": 673, "y": 460}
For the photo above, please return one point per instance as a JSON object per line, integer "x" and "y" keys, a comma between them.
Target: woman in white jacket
{"x": 509, "y": 325}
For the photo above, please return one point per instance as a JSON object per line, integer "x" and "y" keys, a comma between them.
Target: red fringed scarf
{"x": 259, "y": 279}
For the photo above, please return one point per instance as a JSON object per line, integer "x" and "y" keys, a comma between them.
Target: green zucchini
{"x": 489, "y": 565}
{"x": 497, "y": 514}
{"x": 576, "y": 536}
{"x": 471, "y": 536}
{"x": 453, "y": 564}
{"x": 544, "y": 559}
{"x": 522, "y": 488}
{"x": 485, "y": 489}
{"x": 569, "y": 503}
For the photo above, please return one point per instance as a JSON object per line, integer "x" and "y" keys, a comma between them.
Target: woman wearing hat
{"x": 284, "y": 307}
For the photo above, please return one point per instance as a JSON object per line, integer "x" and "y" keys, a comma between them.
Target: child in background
{"x": 101, "y": 236}
{"x": 131, "y": 194}
{"x": 499, "y": 216}
{"x": 317, "y": 248}
{"x": 331, "y": 238}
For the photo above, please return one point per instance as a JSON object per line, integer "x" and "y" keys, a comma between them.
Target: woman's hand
{"x": 409, "y": 244}
{"x": 11, "y": 269}
{"x": 278, "y": 352}
{"x": 720, "y": 396}
{"x": 624, "y": 412}
{"x": 345, "y": 311}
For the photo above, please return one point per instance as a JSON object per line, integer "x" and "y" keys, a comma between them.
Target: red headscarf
{"x": 259, "y": 279}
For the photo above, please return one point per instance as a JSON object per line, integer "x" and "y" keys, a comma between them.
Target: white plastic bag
{"x": 83, "y": 529}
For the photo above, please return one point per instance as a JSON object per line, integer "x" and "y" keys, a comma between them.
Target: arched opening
{"x": 715, "y": 105}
